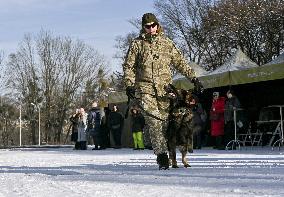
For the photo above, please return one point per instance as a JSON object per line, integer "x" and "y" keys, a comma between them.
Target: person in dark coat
{"x": 217, "y": 120}
{"x": 138, "y": 123}
{"x": 116, "y": 124}
{"x": 232, "y": 103}
{"x": 74, "y": 128}
{"x": 197, "y": 122}
{"x": 105, "y": 133}
{"x": 94, "y": 123}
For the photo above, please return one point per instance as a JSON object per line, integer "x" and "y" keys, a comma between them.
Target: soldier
{"x": 146, "y": 72}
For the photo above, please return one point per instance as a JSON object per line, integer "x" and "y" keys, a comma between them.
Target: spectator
{"x": 138, "y": 123}
{"x": 74, "y": 128}
{"x": 82, "y": 126}
{"x": 94, "y": 123}
{"x": 198, "y": 122}
{"x": 232, "y": 103}
{"x": 105, "y": 129}
{"x": 217, "y": 120}
{"x": 116, "y": 124}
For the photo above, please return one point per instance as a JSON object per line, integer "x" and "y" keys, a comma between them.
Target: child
{"x": 138, "y": 123}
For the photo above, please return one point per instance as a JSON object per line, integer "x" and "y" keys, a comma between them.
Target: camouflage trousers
{"x": 146, "y": 135}
{"x": 157, "y": 128}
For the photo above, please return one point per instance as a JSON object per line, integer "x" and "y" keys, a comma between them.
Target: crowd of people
{"x": 222, "y": 118}
{"x": 96, "y": 128}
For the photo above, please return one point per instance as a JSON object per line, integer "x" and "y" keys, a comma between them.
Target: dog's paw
{"x": 187, "y": 165}
{"x": 175, "y": 166}
{"x": 163, "y": 168}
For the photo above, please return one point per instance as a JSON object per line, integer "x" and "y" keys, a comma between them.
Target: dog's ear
{"x": 170, "y": 88}
{"x": 172, "y": 91}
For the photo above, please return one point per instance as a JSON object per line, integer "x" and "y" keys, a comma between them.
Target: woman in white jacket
{"x": 82, "y": 126}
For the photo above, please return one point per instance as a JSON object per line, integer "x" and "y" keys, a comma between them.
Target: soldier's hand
{"x": 130, "y": 92}
{"x": 198, "y": 87}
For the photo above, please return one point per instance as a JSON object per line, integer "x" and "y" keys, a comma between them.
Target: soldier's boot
{"x": 184, "y": 160}
{"x": 163, "y": 161}
{"x": 174, "y": 164}
{"x": 172, "y": 159}
{"x": 170, "y": 162}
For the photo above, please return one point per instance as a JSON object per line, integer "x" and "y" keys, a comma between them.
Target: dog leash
{"x": 136, "y": 103}
{"x": 169, "y": 89}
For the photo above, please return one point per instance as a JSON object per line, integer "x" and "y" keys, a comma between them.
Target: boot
{"x": 77, "y": 146}
{"x": 96, "y": 147}
{"x": 83, "y": 145}
{"x": 163, "y": 161}
{"x": 219, "y": 143}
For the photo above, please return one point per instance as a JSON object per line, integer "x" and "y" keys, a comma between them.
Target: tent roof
{"x": 278, "y": 60}
{"x": 197, "y": 68}
{"x": 238, "y": 61}
{"x": 239, "y": 69}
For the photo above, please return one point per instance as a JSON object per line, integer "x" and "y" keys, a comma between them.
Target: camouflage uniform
{"x": 147, "y": 67}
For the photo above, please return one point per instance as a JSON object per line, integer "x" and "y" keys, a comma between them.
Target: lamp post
{"x": 20, "y": 118}
{"x": 38, "y": 121}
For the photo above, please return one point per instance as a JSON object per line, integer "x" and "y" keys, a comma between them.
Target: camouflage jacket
{"x": 147, "y": 64}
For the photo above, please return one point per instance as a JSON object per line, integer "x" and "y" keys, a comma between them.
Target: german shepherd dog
{"x": 179, "y": 132}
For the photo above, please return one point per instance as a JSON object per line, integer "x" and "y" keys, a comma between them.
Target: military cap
{"x": 149, "y": 18}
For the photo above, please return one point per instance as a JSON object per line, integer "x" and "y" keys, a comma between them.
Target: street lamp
{"x": 38, "y": 121}
{"x": 20, "y": 118}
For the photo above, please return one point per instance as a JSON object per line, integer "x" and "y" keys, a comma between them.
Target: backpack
{"x": 92, "y": 119}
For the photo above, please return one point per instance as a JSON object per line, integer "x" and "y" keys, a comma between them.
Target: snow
{"x": 238, "y": 61}
{"x": 125, "y": 172}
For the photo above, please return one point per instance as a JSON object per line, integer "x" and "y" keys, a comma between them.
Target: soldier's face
{"x": 82, "y": 110}
{"x": 151, "y": 28}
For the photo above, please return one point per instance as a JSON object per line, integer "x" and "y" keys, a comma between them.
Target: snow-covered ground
{"x": 126, "y": 172}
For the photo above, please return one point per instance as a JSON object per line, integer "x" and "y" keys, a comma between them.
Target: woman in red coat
{"x": 217, "y": 120}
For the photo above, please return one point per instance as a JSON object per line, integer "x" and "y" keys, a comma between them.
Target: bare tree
{"x": 50, "y": 72}
{"x": 50, "y": 58}
{"x": 8, "y": 116}
{"x": 1, "y": 68}
{"x": 23, "y": 78}
{"x": 77, "y": 64}
{"x": 256, "y": 26}
{"x": 209, "y": 31}
{"x": 1, "y": 57}
{"x": 96, "y": 90}
{"x": 182, "y": 20}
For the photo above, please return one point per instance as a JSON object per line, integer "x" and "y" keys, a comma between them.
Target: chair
{"x": 266, "y": 127}
{"x": 256, "y": 138}
{"x": 251, "y": 138}
{"x": 245, "y": 138}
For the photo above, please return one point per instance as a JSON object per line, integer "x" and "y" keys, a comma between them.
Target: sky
{"x": 96, "y": 22}
{"x": 44, "y": 172}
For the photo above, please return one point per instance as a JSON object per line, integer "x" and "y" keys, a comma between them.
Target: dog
{"x": 179, "y": 132}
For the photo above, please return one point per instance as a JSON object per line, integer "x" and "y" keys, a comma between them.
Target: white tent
{"x": 238, "y": 61}
{"x": 278, "y": 60}
{"x": 225, "y": 75}
{"x": 178, "y": 80}
{"x": 197, "y": 69}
